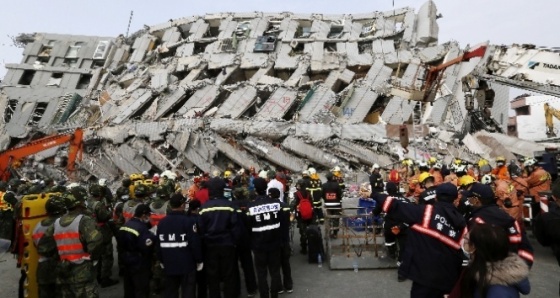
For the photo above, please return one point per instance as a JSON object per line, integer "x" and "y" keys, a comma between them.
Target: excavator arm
{"x": 550, "y": 112}
{"x": 11, "y": 156}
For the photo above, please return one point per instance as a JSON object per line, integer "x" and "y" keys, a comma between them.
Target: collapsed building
{"x": 258, "y": 89}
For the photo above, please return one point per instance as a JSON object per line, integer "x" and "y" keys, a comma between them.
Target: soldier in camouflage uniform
{"x": 102, "y": 215}
{"x": 59, "y": 187}
{"x": 55, "y": 207}
{"x": 159, "y": 208}
{"x": 76, "y": 242}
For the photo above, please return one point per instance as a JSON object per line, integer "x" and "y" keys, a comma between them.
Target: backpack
{"x": 305, "y": 207}
{"x": 394, "y": 176}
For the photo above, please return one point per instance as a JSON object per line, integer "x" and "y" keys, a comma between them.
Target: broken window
{"x": 84, "y": 81}
{"x": 71, "y": 62}
{"x": 304, "y": 29}
{"x": 199, "y": 47}
{"x": 297, "y": 48}
{"x": 337, "y": 28}
{"x": 283, "y": 74}
{"x": 228, "y": 45}
{"x": 338, "y": 86}
{"x": 73, "y": 51}
{"x": 213, "y": 28}
{"x": 102, "y": 50}
{"x": 273, "y": 27}
{"x": 265, "y": 44}
{"x": 243, "y": 28}
{"x": 240, "y": 75}
{"x": 26, "y": 77}
{"x": 55, "y": 79}
{"x": 330, "y": 47}
{"x": 209, "y": 74}
{"x": 364, "y": 47}
{"x": 37, "y": 114}
{"x": 45, "y": 53}
{"x": 10, "y": 109}
{"x": 367, "y": 29}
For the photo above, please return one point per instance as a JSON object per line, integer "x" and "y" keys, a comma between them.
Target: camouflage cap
{"x": 140, "y": 190}
{"x": 79, "y": 192}
{"x": 95, "y": 190}
{"x": 55, "y": 205}
{"x": 71, "y": 200}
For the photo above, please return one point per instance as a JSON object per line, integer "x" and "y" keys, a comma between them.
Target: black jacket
{"x": 376, "y": 181}
{"x": 332, "y": 194}
{"x": 179, "y": 247}
{"x": 267, "y": 221}
{"x": 137, "y": 244}
{"x": 390, "y": 220}
{"x": 433, "y": 257}
{"x": 219, "y": 223}
{"x": 428, "y": 196}
{"x": 494, "y": 215}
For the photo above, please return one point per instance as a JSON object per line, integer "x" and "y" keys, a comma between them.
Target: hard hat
{"x": 374, "y": 167}
{"x": 312, "y": 171}
{"x": 422, "y": 164}
{"x": 336, "y": 169}
{"x": 457, "y": 161}
{"x": 102, "y": 182}
{"x": 145, "y": 173}
{"x": 262, "y": 174}
{"x": 437, "y": 165}
{"x": 79, "y": 192}
{"x": 486, "y": 179}
{"x": 305, "y": 173}
{"x": 500, "y": 159}
{"x": 482, "y": 162}
{"x": 156, "y": 175}
{"x": 466, "y": 180}
{"x": 529, "y": 162}
{"x": 227, "y": 174}
{"x": 460, "y": 168}
{"x": 215, "y": 173}
{"x": 55, "y": 205}
{"x": 432, "y": 160}
{"x": 72, "y": 185}
{"x": 422, "y": 177}
{"x": 241, "y": 171}
{"x": 407, "y": 162}
{"x": 72, "y": 201}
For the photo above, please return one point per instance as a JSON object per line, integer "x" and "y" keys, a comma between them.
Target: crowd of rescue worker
{"x": 444, "y": 229}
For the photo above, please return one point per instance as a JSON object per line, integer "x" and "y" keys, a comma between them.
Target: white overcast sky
{"x": 469, "y": 21}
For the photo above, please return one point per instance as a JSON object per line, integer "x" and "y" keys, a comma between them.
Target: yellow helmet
{"x": 482, "y": 162}
{"x": 466, "y": 180}
{"x": 457, "y": 161}
{"x": 407, "y": 162}
{"x": 432, "y": 160}
{"x": 500, "y": 159}
{"x": 422, "y": 177}
{"x": 227, "y": 174}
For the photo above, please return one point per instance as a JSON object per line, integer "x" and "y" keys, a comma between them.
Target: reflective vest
{"x": 4, "y": 206}
{"x": 94, "y": 215}
{"x": 157, "y": 214}
{"x": 431, "y": 227}
{"x": 68, "y": 243}
{"x": 116, "y": 216}
{"x": 38, "y": 233}
{"x": 129, "y": 208}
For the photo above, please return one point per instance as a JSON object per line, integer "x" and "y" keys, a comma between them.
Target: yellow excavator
{"x": 548, "y": 113}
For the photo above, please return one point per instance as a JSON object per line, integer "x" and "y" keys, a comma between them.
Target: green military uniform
{"x": 47, "y": 265}
{"x": 102, "y": 215}
{"x": 74, "y": 277}
{"x": 8, "y": 203}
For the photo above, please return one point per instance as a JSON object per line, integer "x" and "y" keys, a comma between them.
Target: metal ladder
{"x": 417, "y": 128}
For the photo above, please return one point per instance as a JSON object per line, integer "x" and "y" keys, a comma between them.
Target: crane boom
{"x": 15, "y": 154}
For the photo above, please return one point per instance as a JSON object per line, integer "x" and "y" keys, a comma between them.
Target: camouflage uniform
{"x": 102, "y": 215}
{"x": 75, "y": 279}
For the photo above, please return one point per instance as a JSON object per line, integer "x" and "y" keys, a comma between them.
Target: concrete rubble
{"x": 254, "y": 89}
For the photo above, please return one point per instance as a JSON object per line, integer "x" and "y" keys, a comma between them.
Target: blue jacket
{"x": 433, "y": 257}
{"x": 218, "y": 223}
{"x": 137, "y": 244}
{"x": 267, "y": 221}
{"x": 179, "y": 247}
{"x": 508, "y": 278}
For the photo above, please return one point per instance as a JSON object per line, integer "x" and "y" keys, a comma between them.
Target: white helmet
{"x": 422, "y": 164}
{"x": 102, "y": 182}
{"x": 336, "y": 169}
{"x": 460, "y": 168}
{"x": 305, "y": 173}
{"x": 145, "y": 173}
{"x": 374, "y": 167}
{"x": 263, "y": 174}
{"x": 437, "y": 165}
{"x": 72, "y": 185}
{"x": 312, "y": 171}
{"x": 486, "y": 179}
{"x": 529, "y": 162}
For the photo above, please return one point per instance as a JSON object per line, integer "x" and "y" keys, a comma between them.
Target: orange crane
{"x": 13, "y": 156}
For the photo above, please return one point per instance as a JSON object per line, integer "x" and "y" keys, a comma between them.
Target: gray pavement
{"x": 313, "y": 282}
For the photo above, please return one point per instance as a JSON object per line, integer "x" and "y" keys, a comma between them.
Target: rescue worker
{"x": 465, "y": 183}
{"x": 427, "y": 182}
{"x": 501, "y": 171}
{"x": 452, "y": 177}
{"x": 316, "y": 192}
{"x": 118, "y": 221}
{"x": 285, "y": 248}
{"x": 267, "y": 222}
{"x": 220, "y": 231}
{"x": 159, "y": 206}
{"x": 483, "y": 167}
{"x": 433, "y": 257}
{"x": 302, "y": 193}
{"x": 506, "y": 196}
{"x": 59, "y": 187}
{"x": 332, "y": 195}
{"x": 406, "y": 171}
{"x": 375, "y": 179}
{"x": 8, "y": 201}
{"x": 137, "y": 247}
{"x": 538, "y": 179}
{"x": 107, "y": 193}
{"x": 202, "y": 195}
{"x": 102, "y": 214}
{"x": 485, "y": 210}
{"x": 179, "y": 250}
{"x": 78, "y": 243}
{"x": 194, "y": 188}
{"x": 436, "y": 173}
{"x": 55, "y": 207}
{"x": 273, "y": 182}
{"x": 395, "y": 231}
{"x": 338, "y": 177}
{"x": 414, "y": 187}
{"x": 140, "y": 194}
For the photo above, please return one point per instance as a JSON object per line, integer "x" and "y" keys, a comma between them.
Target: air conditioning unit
{"x": 102, "y": 50}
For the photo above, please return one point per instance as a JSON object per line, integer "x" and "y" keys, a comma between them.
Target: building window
{"x": 71, "y": 62}
{"x": 73, "y": 51}
{"x": 45, "y": 53}
{"x": 26, "y": 77}
{"x": 10, "y": 109}
{"x": 330, "y": 47}
{"x": 84, "y": 81}
{"x": 56, "y": 79}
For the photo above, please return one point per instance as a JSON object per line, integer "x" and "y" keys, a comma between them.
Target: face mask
{"x": 145, "y": 219}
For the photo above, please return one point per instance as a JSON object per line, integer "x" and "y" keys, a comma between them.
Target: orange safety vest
{"x": 68, "y": 243}
{"x": 38, "y": 233}
{"x": 128, "y": 210}
{"x": 157, "y": 214}
{"x": 4, "y": 206}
